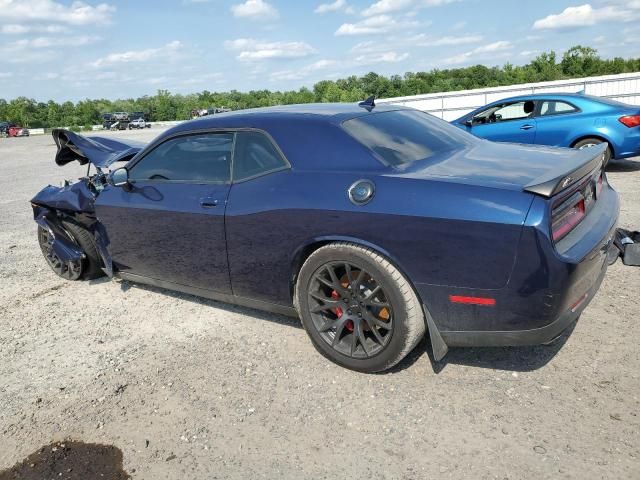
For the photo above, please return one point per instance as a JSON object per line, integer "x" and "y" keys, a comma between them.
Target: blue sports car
{"x": 560, "y": 120}
{"x": 373, "y": 224}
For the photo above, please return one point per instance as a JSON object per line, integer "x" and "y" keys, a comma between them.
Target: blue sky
{"x": 68, "y": 50}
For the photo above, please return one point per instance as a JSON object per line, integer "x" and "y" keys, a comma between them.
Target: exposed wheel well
{"x": 584, "y": 137}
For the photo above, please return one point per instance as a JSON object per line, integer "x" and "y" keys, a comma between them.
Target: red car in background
{"x": 8, "y": 129}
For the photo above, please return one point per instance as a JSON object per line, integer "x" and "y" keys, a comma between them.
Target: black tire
{"x": 405, "y": 315}
{"x": 86, "y": 269}
{"x": 585, "y": 142}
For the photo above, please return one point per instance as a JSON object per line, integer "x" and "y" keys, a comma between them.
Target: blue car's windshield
{"x": 404, "y": 136}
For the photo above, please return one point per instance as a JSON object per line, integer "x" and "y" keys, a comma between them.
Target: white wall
{"x": 451, "y": 105}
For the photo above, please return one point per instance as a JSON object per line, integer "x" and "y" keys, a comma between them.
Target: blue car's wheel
{"x": 358, "y": 309}
{"x": 591, "y": 142}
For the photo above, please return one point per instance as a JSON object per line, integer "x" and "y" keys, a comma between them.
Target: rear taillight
{"x": 630, "y": 120}
{"x": 567, "y": 216}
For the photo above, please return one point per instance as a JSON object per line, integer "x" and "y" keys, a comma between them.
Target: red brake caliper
{"x": 339, "y": 311}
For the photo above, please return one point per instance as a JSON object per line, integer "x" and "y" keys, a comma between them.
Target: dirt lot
{"x": 189, "y": 388}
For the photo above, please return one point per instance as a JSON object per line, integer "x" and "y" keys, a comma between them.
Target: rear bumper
{"x": 630, "y": 145}
{"x": 534, "y": 336}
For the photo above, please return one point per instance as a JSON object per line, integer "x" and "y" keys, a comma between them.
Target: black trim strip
{"x": 289, "y": 311}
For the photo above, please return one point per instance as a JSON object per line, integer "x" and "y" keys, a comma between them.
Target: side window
{"x": 193, "y": 158}
{"x": 254, "y": 155}
{"x": 506, "y": 112}
{"x": 556, "y": 107}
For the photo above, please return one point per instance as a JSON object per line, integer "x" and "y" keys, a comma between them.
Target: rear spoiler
{"x": 99, "y": 151}
{"x": 579, "y": 164}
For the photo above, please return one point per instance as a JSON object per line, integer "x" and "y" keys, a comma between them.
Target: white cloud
{"x": 255, "y": 10}
{"x": 463, "y": 40}
{"x": 14, "y": 29}
{"x": 6, "y": 74}
{"x": 389, "y": 6}
{"x": 386, "y": 6}
{"x": 203, "y": 78}
{"x": 331, "y": 7}
{"x": 424, "y": 40}
{"x": 139, "y": 56}
{"x": 373, "y": 25}
{"x": 303, "y": 72}
{"x": 19, "y": 29}
{"x": 494, "y": 48}
{"x": 78, "y": 13}
{"x": 253, "y": 50}
{"x": 382, "y": 57}
{"x": 586, "y": 15}
{"x": 48, "y": 42}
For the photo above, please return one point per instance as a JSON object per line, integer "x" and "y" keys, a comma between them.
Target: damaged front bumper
{"x": 75, "y": 202}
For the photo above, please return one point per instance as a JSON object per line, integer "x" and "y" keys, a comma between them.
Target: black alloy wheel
{"x": 358, "y": 309}
{"x": 350, "y": 310}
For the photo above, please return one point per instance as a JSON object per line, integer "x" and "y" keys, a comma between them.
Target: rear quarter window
{"x": 403, "y": 136}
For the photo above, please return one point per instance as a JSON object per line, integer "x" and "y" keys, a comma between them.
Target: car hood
{"x": 543, "y": 170}
{"x": 99, "y": 151}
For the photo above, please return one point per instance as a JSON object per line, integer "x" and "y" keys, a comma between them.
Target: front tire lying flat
{"x": 87, "y": 268}
{"x": 358, "y": 309}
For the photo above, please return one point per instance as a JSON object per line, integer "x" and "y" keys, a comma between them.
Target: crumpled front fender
{"x": 63, "y": 246}
{"x": 75, "y": 197}
{"x": 75, "y": 201}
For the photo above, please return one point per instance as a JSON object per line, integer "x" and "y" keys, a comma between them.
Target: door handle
{"x": 526, "y": 127}
{"x": 208, "y": 202}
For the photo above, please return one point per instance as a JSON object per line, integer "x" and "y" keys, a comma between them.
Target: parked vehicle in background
{"x": 107, "y": 121}
{"x": 115, "y": 121}
{"x": 197, "y": 113}
{"x": 561, "y": 120}
{"x": 216, "y": 110}
{"x": 372, "y": 223}
{"x": 138, "y": 123}
{"x": 137, "y": 115}
{"x": 8, "y": 129}
{"x": 203, "y": 112}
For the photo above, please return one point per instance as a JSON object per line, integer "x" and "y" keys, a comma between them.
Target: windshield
{"x": 404, "y": 136}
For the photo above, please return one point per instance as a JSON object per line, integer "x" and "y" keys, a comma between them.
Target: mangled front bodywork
{"x": 75, "y": 201}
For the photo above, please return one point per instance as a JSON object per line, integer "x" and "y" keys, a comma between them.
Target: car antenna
{"x": 369, "y": 103}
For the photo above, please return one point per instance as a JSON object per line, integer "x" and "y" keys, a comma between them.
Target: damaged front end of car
{"x": 74, "y": 202}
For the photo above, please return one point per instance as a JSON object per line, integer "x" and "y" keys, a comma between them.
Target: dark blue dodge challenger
{"x": 372, "y": 223}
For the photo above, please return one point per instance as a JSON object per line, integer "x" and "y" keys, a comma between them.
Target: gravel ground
{"x": 192, "y": 388}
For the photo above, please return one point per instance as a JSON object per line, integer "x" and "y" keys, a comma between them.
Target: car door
{"x": 258, "y": 227}
{"x": 169, "y": 225}
{"x": 506, "y": 122}
{"x": 556, "y": 122}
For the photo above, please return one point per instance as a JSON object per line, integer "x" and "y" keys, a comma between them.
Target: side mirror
{"x": 468, "y": 122}
{"x": 119, "y": 177}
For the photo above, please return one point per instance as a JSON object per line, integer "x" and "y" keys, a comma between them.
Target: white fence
{"x": 451, "y": 105}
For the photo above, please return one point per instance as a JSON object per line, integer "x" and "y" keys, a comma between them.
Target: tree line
{"x": 576, "y": 62}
